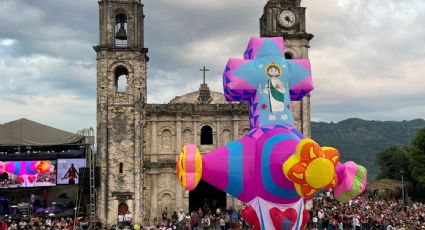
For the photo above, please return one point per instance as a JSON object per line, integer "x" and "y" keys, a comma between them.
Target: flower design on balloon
{"x": 189, "y": 167}
{"x": 312, "y": 168}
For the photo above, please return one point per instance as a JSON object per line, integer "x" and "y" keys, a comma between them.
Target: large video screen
{"x": 68, "y": 170}
{"x": 26, "y": 174}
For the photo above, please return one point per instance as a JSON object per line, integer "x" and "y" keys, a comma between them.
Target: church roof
{"x": 24, "y": 132}
{"x": 192, "y": 98}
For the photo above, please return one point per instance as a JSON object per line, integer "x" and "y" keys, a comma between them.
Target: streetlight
{"x": 402, "y": 184}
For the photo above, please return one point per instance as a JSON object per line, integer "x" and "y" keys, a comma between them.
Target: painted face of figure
{"x": 273, "y": 71}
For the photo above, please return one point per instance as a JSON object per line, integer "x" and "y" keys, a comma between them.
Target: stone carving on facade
{"x": 226, "y": 137}
{"x": 187, "y": 136}
{"x": 204, "y": 94}
{"x": 166, "y": 141}
{"x": 166, "y": 200}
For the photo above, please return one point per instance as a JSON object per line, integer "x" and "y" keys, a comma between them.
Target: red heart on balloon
{"x": 248, "y": 213}
{"x": 306, "y": 216}
{"x": 283, "y": 220}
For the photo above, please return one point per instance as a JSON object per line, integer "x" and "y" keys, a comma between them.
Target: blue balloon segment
{"x": 248, "y": 73}
{"x": 269, "y": 48}
{"x": 235, "y": 186}
{"x": 268, "y": 182}
{"x": 298, "y": 74}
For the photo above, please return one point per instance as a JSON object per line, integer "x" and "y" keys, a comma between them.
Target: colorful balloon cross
{"x": 273, "y": 169}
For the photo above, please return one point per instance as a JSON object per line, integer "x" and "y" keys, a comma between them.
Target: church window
{"x": 289, "y": 55}
{"x": 206, "y": 135}
{"x": 121, "y": 30}
{"x": 121, "y": 79}
{"x": 121, "y": 168}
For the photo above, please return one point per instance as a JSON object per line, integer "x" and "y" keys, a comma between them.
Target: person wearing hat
{"x": 180, "y": 216}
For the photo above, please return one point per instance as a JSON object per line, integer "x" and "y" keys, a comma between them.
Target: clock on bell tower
{"x": 286, "y": 19}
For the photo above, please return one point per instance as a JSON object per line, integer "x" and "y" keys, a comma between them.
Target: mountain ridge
{"x": 361, "y": 140}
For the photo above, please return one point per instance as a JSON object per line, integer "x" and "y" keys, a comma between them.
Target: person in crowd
{"x": 205, "y": 222}
{"x": 3, "y": 225}
{"x": 120, "y": 221}
{"x": 44, "y": 198}
{"x": 13, "y": 226}
{"x": 22, "y": 224}
{"x": 222, "y": 222}
{"x": 200, "y": 213}
{"x": 165, "y": 213}
{"x": 180, "y": 216}
{"x": 235, "y": 220}
{"x": 174, "y": 217}
{"x": 128, "y": 219}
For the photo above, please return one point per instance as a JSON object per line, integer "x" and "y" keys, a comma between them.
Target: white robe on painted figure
{"x": 276, "y": 95}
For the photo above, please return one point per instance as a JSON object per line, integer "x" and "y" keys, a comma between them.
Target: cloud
{"x": 367, "y": 56}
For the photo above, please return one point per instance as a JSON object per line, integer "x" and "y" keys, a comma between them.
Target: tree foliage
{"x": 392, "y": 163}
{"x": 410, "y": 160}
{"x": 417, "y": 157}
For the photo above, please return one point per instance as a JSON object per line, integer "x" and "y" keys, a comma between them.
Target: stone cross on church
{"x": 204, "y": 91}
{"x": 204, "y": 70}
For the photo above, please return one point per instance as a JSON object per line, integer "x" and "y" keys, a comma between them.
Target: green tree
{"x": 392, "y": 162}
{"x": 417, "y": 157}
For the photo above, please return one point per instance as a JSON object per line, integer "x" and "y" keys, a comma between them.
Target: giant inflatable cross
{"x": 273, "y": 169}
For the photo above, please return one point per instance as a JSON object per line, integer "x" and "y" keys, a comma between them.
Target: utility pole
{"x": 402, "y": 184}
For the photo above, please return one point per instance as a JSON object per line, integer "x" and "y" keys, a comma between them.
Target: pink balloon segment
{"x": 273, "y": 169}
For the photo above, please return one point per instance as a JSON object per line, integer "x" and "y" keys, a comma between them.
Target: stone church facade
{"x": 138, "y": 142}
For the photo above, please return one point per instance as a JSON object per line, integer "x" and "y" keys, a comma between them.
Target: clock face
{"x": 287, "y": 18}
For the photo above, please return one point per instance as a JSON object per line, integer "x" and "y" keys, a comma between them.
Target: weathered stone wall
{"x": 169, "y": 127}
{"x": 120, "y": 132}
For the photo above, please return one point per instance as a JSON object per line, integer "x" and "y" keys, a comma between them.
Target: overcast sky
{"x": 368, "y": 56}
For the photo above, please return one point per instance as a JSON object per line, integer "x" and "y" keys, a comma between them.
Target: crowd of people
{"x": 366, "y": 212}
{"x": 203, "y": 218}
{"x": 48, "y": 223}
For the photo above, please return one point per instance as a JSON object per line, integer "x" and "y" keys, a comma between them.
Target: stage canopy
{"x": 24, "y": 132}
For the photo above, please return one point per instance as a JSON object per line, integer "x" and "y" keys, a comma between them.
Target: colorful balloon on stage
{"x": 273, "y": 169}
{"x": 26, "y": 171}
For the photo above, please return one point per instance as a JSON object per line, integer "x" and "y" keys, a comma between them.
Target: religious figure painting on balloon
{"x": 274, "y": 169}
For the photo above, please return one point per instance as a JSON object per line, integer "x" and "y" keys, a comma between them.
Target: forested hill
{"x": 361, "y": 140}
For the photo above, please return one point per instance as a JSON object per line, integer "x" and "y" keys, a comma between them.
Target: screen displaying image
{"x": 26, "y": 174}
{"x": 68, "y": 170}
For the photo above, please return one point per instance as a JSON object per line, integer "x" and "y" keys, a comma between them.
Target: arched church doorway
{"x": 206, "y": 196}
{"x": 122, "y": 208}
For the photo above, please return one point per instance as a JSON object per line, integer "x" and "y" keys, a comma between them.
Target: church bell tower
{"x": 286, "y": 19}
{"x": 121, "y": 96}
